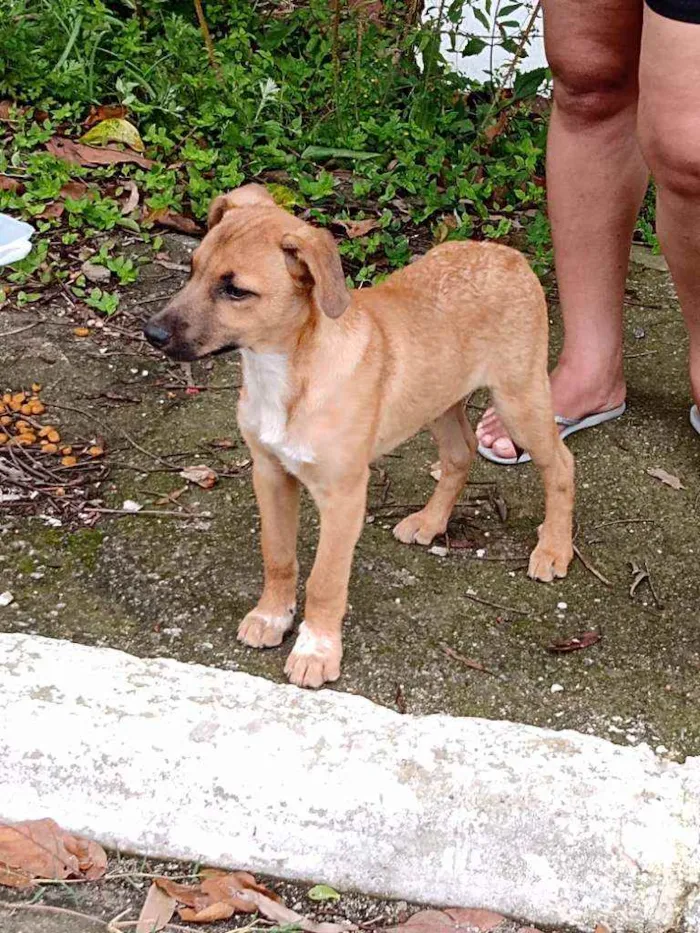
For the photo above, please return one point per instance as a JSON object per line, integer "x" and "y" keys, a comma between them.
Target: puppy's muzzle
{"x": 157, "y": 334}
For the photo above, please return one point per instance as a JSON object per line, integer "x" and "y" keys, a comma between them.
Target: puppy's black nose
{"x": 156, "y": 334}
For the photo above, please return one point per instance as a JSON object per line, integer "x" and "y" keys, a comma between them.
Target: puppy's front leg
{"x": 278, "y": 500}
{"x": 318, "y": 649}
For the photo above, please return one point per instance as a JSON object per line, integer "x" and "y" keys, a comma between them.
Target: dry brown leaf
{"x": 497, "y": 127}
{"x": 105, "y": 112}
{"x": 454, "y": 920}
{"x": 164, "y": 217}
{"x": 223, "y": 443}
{"x": 92, "y": 858}
{"x": 132, "y": 199}
{"x": 208, "y": 914}
{"x": 157, "y": 910}
{"x": 222, "y": 894}
{"x": 80, "y": 154}
{"x": 202, "y": 475}
{"x": 575, "y": 644}
{"x": 357, "y": 228}
{"x": 53, "y": 210}
{"x": 74, "y": 190}
{"x": 5, "y": 107}
{"x": 36, "y": 849}
{"x": 667, "y": 478}
{"x": 183, "y": 893}
{"x": 10, "y": 184}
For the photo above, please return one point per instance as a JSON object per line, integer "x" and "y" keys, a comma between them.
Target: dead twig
{"x": 147, "y": 512}
{"x": 591, "y": 569}
{"x": 20, "y": 330}
{"x": 206, "y": 34}
{"x": 473, "y": 665}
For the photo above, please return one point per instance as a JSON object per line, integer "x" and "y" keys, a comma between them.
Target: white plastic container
{"x": 15, "y": 238}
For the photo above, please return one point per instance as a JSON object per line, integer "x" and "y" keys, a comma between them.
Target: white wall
{"x": 478, "y": 66}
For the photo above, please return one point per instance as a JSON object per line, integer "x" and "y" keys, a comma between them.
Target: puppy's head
{"x": 256, "y": 277}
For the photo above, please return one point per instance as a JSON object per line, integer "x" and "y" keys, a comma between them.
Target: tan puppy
{"x": 334, "y": 378}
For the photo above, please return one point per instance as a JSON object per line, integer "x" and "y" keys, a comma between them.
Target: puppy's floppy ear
{"x": 245, "y": 196}
{"x": 313, "y": 262}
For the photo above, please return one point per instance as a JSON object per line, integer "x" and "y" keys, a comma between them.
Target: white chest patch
{"x": 264, "y": 410}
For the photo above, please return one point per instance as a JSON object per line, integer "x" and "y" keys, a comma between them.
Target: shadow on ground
{"x": 177, "y": 588}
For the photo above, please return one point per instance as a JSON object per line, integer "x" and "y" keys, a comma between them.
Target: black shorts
{"x": 686, "y": 11}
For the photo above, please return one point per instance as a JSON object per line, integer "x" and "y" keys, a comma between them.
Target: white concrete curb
{"x": 177, "y": 760}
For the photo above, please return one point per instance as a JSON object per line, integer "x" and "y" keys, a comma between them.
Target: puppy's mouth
{"x": 227, "y": 348}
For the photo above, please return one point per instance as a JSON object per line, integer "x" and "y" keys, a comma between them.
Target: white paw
{"x": 315, "y": 659}
{"x": 263, "y": 629}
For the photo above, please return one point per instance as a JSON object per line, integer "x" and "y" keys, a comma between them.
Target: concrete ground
{"x": 175, "y": 588}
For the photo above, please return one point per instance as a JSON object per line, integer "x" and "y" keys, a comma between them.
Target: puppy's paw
{"x": 418, "y": 528}
{"x": 315, "y": 659}
{"x": 548, "y": 562}
{"x": 263, "y": 629}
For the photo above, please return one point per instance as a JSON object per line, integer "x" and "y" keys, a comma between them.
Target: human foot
{"x": 574, "y": 398}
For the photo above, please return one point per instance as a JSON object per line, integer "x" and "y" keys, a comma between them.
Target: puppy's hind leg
{"x": 527, "y": 414}
{"x": 457, "y": 448}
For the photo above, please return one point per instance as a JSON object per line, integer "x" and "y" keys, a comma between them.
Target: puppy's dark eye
{"x": 231, "y": 291}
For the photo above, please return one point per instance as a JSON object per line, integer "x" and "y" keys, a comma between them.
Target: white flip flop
{"x": 571, "y": 426}
{"x": 695, "y": 418}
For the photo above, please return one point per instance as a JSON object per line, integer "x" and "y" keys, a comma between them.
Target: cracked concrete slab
{"x": 184, "y": 761}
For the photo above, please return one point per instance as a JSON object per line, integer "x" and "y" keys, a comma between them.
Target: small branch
{"x": 148, "y": 512}
{"x": 216, "y": 67}
{"x": 591, "y": 568}
{"x": 20, "y": 330}
{"x": 486, "y": 602}
{"x": 473, "y": 665}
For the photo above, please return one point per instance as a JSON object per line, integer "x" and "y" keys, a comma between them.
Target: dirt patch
{"x": 177, "y": 587}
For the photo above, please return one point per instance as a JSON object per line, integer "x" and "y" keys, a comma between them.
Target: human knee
{"x": 672, "y": 152}
{"x": 590, "y": 91}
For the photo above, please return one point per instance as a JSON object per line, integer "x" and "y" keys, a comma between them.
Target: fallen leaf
{"x": 357, "y": 228}
{"x": 75, "y": 190}
{"x": 667, "y": 478}
{"x": 10, "y": 184}
{"x": 5, "y": 108}
{"x": 55, "y": 209}
{"x": 41, "y": 849}
{"x": 454, "y": 920}
{"x": 497, "y": 127}
{"x": 208, "y": 914}
{"x": 80, "y": 154}
{"x": 372, "y": 9}
{"x": 95, "y": 273}
{"x": 640, "y": 574}
{"x": 105, "y": 112}
{"x": 575, "y": 644}
{"x": 321, "y": 892}
{"x": 114, "y": 130}
{"x": 92, "y": 858}
{"x": 222, "y": 894}
{"x": 164, "y": 217}
{"x": 157, "y": 910}
{"x": 483, "y": 920}
{"x": 202, "y": 475}
{"x": 132, "y": 199}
